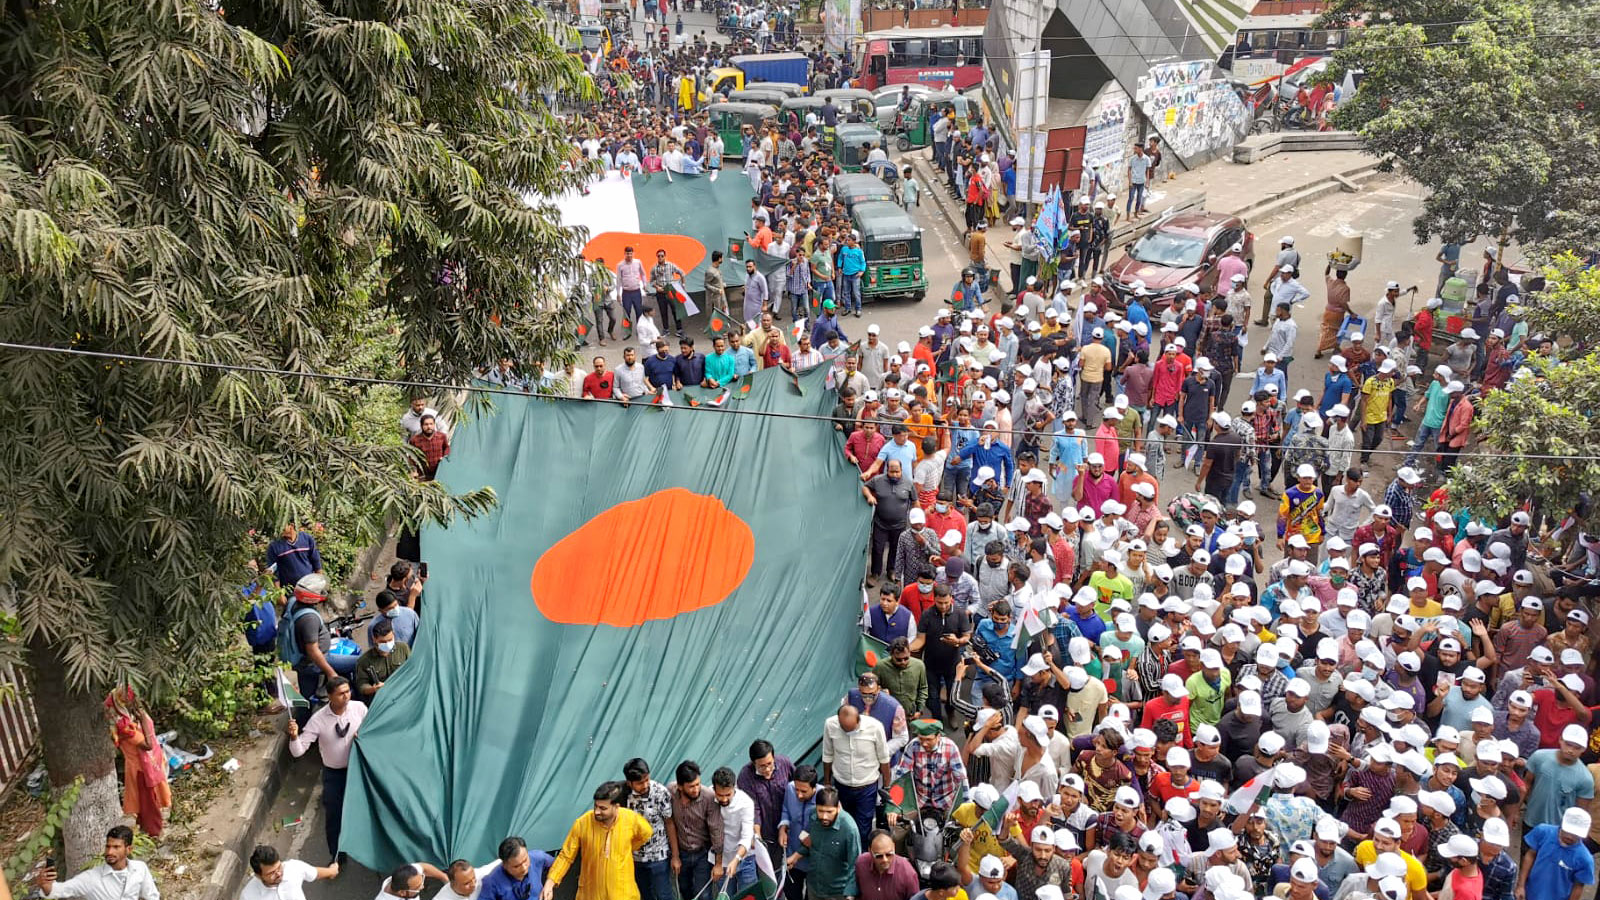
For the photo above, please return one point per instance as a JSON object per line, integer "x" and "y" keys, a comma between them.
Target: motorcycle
{"x": 927, "y": 836}
{"x": 342, "y": 647}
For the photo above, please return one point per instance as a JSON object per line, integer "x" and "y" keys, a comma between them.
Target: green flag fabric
{"x": 869, "y": 651}
{"x": 903, "y": 797}
{"x": 641, "y": 589}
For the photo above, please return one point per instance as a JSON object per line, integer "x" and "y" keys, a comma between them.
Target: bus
{"x": 944, "y": 58}
{"x": 1266, "y": 47}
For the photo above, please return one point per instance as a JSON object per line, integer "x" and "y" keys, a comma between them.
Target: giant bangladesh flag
{"x": 668, "y": 583}
{"x": 688, "y": 217}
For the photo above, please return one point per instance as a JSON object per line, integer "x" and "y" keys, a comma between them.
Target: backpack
{"x": 289, "y": 650}
{"x": 261, "y": 626}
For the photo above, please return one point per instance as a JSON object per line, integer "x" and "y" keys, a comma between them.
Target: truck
{"x": 758, "y": 67}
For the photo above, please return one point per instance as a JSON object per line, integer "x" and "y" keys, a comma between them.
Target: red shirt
{"x": 1167, "y": 379}
{"x": 598, "y": 385}
{"x": 915, "y": 600}
{"x": 1162, "y": 788}
{"x": 1550, "y": 715}
{"x": 947, "y": 521}
{"x": 777, "y": 352}
{"x": 865, "y": 449}
{"x": 1176, "y": 711}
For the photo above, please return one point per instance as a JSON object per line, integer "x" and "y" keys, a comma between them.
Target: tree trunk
{"x": 76, "y": 743}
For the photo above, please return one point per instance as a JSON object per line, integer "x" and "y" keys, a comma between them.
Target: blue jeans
{"x": 743, "y": 876}
{"x": 850, "y": 292}
{"x": 823, "y": 289}
{"x": 1135, "y": 197}
{"x": 1241, "y": 483}
{"x": 694, "y": 874}
{"x": 859, "y": 803}
{"x": 937, "y": 680}
{"x": 1425, "y": 433}
{"x": 1398, "y": 405}
{"x": 654, "y": 879}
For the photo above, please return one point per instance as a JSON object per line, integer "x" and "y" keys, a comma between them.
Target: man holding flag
{"x": 663, "y": 277}
{"x": 933, "y": 762}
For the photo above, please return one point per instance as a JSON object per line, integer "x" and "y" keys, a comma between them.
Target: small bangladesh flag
{"x": 680, "y": 298}
{"x": 869, "y": 651}
{"x": 721, "y": 398}
{"x": 903, "y": 797}
{"x": 289, "y": 693}
{"x": 744, "y": 389}
{"x": 768, "y": 883}
{"x": 717, "y": 324}
{"x": 662, "y": 398}
{"x": 798, "y": 328}
{"x": 994, "y": 815}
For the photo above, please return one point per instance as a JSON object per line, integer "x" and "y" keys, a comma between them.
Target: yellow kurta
{"x": 606, "y": 869}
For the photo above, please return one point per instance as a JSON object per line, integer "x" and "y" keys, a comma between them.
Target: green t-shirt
{"x": 823, "y": 264}
{"x": 1438, "y": 402}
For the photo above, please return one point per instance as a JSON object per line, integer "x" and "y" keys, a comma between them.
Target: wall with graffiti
{"x": 1196, "y": 115}
{"x": 1112, "y": 127}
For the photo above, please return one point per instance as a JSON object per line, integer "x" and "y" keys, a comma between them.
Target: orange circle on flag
{"x": 701, "y": 556}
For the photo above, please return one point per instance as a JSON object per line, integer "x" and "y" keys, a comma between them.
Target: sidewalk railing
{"x": 19, "y": 727}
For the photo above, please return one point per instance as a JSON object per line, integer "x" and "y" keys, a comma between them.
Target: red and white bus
{"x": 1266, "y": 47}
{"x": 939, "y": 58}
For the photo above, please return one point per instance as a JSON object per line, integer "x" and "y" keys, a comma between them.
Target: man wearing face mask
{"x": 380, "y": 661}
{"x": 397, "y": 601}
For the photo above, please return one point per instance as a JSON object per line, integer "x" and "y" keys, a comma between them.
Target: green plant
{"x": 44, "y": 840}
{"x": 216, "y": 698}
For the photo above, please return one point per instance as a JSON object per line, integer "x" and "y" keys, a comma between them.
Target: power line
{"x": 441, "y": 387}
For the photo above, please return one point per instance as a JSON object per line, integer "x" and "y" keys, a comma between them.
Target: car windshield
{"x": 1167, "y": 249}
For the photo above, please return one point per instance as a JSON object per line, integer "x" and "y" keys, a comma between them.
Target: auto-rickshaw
{"x": 852, "y": 189}
{"x": 732, "y": 121}
{"x": 848, "y": 151}
{"x": 854, "y": 104}
{"x": 915, "y": 126}
{"x": 593, "y": 37}
{"x": 757, "y": 94}
{"x": 892, "y": 244}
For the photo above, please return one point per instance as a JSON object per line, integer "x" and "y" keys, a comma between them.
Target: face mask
{"x": 392, "y": 613}
{"x": 942, "y": 507}
{"x": 924, "y": 588}
{"x": 386, "y": 646}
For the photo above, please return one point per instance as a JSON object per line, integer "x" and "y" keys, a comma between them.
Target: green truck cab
{"x": 732, "y": 121}
{"x": 915, "y": 125}
{"x": 852, "y": 189}
{"x": 892, "y": 244}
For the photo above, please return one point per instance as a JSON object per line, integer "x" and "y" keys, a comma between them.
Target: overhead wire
{"x": 644, "y": 400}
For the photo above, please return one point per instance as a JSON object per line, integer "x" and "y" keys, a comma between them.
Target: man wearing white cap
{"x": 1557, "y": 780}
{"x": 1557, "y": 865}
{"x": 1373, "y": 407}
{"x": 1038, "y": 866}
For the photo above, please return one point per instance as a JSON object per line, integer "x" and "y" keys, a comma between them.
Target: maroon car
{"x": 1180, "y": 249}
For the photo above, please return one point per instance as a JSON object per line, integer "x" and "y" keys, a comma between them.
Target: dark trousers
{"x": 1371, "y": 436}
{"x": 694, "y": 874}
{"x": 654, "y": 879}
{"x": 794, "y": 887}
{"x": 859, "y": 803}
{"x": 884, "y": 541}
{"x": 669, "y": 313}
{"x": 333, "y": 781}
{"x": 940, "y": 680}
{"x": 608, "y": 313}
{"x": 632, "y": 306}
{"x": 309, "y": 681}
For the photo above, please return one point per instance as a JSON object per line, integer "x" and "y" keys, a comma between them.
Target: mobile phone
{"x": 422, "y": 569}
{"x": 49, "y": 862}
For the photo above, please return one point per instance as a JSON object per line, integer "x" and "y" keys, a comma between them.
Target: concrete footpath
{"x": 1251, "y": 192}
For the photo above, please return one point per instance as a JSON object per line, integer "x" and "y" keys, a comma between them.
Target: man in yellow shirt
{"x": 606, "y": 837}
{"x": 1094, "y": 365}
{"x": 1386, "y": 839}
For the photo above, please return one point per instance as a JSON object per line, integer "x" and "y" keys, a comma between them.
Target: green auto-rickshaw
{"x": 757, "y": 95}
{"x": 732, "y": 121}
{"x": 914, "y": 127}
{"x": 854, "y": 104}
{"x": 852, "y": 189}
{"x": 892, "y": 244}
{"x": 850, "y": 145}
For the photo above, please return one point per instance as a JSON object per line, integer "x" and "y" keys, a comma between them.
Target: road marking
{"x": 297, "y": 844}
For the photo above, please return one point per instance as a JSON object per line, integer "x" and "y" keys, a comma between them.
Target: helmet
{"x": 312, "y": 588}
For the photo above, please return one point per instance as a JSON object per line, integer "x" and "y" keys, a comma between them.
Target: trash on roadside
{"x": 232, "y": 765}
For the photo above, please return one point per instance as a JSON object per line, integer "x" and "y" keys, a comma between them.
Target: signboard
{"x": 1063, "y": 159}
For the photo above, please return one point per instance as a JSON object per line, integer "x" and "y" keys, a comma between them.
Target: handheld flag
{"x": 869, "y": 652}
{"x": 798, "y": 328}
{"x": 995, "y": 815}
{"x": 680, "y": 298}
{"x": 289, "y": 694}
{"x": 768, "y": 883}
{"x": 903, "y": 797}
{"x": 721, "y": 398}
{"x": 1250, "y": 793}
{"x": 717, "y": 324}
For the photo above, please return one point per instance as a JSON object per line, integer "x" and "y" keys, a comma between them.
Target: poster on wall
{"x": 841, "y": 24}
{"x": 1108, "y": 136}
{"x": 1194, "y": 113}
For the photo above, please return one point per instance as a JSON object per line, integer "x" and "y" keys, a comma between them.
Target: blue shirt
{"x": 851, "y": 260}
{"x": 405, "y": 621}
{"x": 906, "y": 453}
{"x": 797, "y": 811}
{"x": 658, "y": 370}
{"x": 295, "y": 559}
{"x": 1006, "y": 661}
{"x": 827, "y": 325}
{"x": 1557, "y": 867}
{"x": 497, "y": 885}
{"x": 691, "y": 370}
{"x": 960, "y": 439}
{"x": 744, "y": 361}
{"x": 1090, "y": 626}
{"x": 1556, "y": 789}
{"x": 996, "y": 456}
{"x": 1334, "y": 389}
{"x": 1264, "y": 378}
